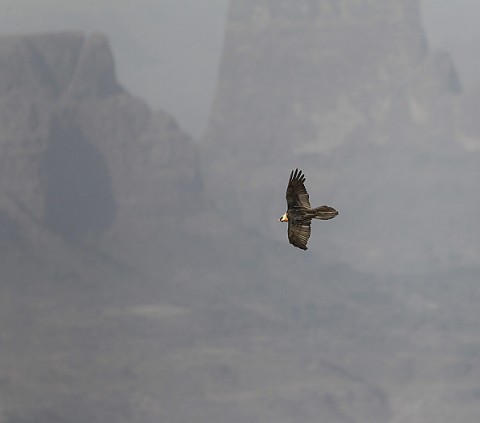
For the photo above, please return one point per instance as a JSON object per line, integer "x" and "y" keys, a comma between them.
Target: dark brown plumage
{"x": 299, "y": 213}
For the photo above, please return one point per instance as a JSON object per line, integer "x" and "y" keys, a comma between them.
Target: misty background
{"x": 168, "y": 51}
{"x": 145, "y": 149}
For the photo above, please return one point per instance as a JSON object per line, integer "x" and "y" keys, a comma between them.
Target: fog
{"x": 168, "y": 51}
{"x": 144, "y": 275}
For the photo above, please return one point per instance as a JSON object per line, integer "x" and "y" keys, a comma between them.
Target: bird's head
{"x": 284, "y": 218}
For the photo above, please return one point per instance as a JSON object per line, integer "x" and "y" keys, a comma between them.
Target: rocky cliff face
{"x": 79, "y": 156}
{"x": 349, "y": 92}
{"x": 287, "y": 69}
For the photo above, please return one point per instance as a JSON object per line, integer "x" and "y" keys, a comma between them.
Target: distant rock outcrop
{"x": 287, "y": 68}
{"x": 80, "y": 157}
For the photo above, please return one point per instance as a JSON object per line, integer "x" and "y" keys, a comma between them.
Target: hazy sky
{"x": 167, "y": 51}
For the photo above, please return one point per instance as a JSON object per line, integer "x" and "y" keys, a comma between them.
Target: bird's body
{"x": 299, "y": 213}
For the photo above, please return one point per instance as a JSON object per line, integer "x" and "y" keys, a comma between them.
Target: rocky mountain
{"x": 350, "y": 92}
{"x": 293, "y": 64}
{"x": 144, "y": 278}
{"x": 80, "y": 156}
{"x": 94, "y": 190}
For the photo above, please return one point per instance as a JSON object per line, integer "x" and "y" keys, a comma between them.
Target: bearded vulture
{"x": 299, "y": 213}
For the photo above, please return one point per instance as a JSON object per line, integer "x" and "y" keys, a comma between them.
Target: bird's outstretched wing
{"x": 298, "y": 233}
{"x": 297, "y": 195}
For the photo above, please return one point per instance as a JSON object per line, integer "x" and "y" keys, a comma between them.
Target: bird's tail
{"x": 324, "y": 213}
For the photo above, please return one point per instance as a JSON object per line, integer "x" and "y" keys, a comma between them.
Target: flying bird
{"x": 299, "y": 213}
